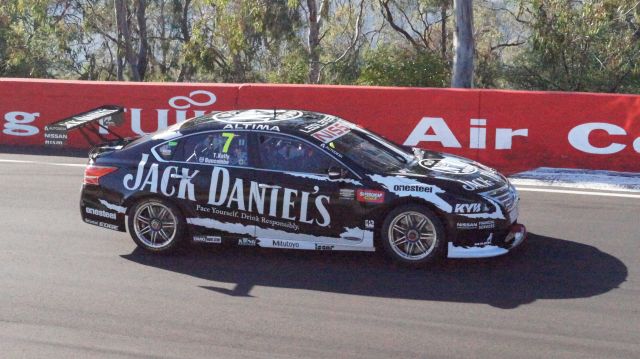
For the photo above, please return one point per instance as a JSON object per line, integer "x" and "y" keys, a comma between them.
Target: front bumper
{"x": 514, "y": 238}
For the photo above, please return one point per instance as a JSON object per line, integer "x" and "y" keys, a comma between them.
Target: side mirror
{"x": 334, "y": 173}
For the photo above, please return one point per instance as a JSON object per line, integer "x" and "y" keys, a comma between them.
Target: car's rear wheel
{"x": 413, "y": 235}
{"x": 157, "y": 226}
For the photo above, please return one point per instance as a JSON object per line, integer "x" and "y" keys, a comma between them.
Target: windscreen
{"x": 373, "y": 153}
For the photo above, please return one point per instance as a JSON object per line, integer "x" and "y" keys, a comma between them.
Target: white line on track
{"x": 44, "y": 163}
{"x": 584, "y": 193}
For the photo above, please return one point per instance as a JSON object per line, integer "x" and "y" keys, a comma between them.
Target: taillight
{"x": 92, "y": 173}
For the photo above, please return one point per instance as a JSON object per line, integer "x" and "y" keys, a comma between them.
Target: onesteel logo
{"x": 100, "y": 213}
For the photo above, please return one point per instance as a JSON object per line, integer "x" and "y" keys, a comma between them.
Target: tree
{"x": 587, "y": 46}
{"x": 463, "y": 43}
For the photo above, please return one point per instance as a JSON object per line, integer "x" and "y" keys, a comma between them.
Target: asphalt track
{"x": 68, "y": 289}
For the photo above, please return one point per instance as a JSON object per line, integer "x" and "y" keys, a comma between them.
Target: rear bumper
{"x": 516, "y": 236}
{"x": 101, "y": 210}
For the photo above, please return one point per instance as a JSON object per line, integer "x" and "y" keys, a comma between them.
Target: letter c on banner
{"x": 579, "y": 138}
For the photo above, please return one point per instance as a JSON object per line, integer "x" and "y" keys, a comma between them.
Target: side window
{"x": 287, "y": 154}
{"x": 218, "y": 148}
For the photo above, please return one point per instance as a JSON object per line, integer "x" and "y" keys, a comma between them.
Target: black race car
{"x": 297, "y": 180}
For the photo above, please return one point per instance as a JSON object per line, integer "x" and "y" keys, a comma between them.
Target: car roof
{"x": 297, "y": 122}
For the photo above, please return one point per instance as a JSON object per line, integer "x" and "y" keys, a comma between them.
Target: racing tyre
{"x": 157, "y": 226}
{"x": 412, "y": 235}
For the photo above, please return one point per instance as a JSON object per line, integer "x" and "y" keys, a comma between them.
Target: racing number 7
{"x": 229, "y": 137}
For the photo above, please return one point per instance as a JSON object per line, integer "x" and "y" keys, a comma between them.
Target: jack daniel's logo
{"x": 224, "y": 191}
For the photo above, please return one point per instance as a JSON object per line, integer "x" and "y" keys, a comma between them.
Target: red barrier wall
{"x": 510, "y": 130}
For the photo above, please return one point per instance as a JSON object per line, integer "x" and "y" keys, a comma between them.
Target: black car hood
{"x": 472, "y": 175}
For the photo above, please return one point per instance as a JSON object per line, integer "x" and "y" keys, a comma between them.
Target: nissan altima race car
{"x": 297, "y": 180}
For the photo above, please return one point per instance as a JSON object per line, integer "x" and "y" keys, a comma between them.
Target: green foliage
{"x": 394, "y": 66}
{"x": 587, "y": 46}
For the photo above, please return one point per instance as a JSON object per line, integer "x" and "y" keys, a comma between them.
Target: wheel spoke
{"x": 399, "y": 228}
{"x": 144, "y": 219}
{"x": 421, "y": 247}
{"x": 154, "y": 235}
{"x": 409, "y": 249}
{"x": 151, "y": 211}
{"x": 426, "y": 236}
{"x": 421, "y": 223}
{"x": 168, "y": 225}
{"x": 399, "y": 241}
{"x": 162, "y": 213}
{"x": 145, "y": 230}
{"x": 408, "y": 220}
{"x": 164, "y": 235}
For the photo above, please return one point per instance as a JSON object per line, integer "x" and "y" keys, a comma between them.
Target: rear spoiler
{"x": 88, "y": 122}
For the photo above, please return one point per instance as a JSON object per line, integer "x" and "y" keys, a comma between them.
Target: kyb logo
{"x": 468, "y": 208}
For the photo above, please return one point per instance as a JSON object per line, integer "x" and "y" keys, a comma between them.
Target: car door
{"x": 307, "y": 208}
{"x": 222, "y": 182}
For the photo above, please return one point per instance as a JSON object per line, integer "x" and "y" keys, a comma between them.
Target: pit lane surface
{"x": 68, "y": 289}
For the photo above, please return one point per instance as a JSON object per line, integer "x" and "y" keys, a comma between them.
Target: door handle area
{"x": 262, "y": 185}
{"x": 176, "y": 176}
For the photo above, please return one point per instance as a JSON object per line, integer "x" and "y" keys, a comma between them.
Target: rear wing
{"x": 87, "y": 123}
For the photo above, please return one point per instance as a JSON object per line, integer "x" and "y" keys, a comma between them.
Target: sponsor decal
{"x": 347, "y": 193}
{"x": 207, "y": 239}
{"x": 331, "y": 132}
{"x": 100, "y": 213}
{"x": 403, "y": 186}
{"x": 102, "y": 224}
{"x": 467, "y": 225}
{"x": 477, "y": 183}
{"x": 362, "y": 238}
{"x": 468, "y": 208}
{"x": 255, "y": 117}
{"x": 330, "y": 147}
{"x": 251, "y": 126}
{"x": 285, "y": 244}
{"x": 369, "y": 224}
{"x": 319, "y": 124}
{"x": 476, "y": 225}
{"x": 227, "y": 195}
{"x": 247, "y": 242}
{"x": 486, "y": 225}
{"x": 324, "y": 247}
{"x": 413, "y": 188}
{"x": 370, "y": 196}
{"x": 448, "y": 165}
{"x": 487, "y": 242}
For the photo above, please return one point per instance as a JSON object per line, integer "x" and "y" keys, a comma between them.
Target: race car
{"x": 297, "y": 180}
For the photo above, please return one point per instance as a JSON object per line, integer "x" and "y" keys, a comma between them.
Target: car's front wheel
{"x": 413, "y": 235}
{"x": 156, "y": 225}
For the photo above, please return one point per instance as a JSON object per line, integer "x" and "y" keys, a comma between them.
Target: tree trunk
{"x": 143, "y": 50}
{"x": 443, "y": 31}
{"x": 123, "y": 32}
{"x": 463, "y": 45}
{"x": 315, "y": 21}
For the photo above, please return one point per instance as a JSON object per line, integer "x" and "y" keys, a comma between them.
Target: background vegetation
{"x": 521, "y": 44}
